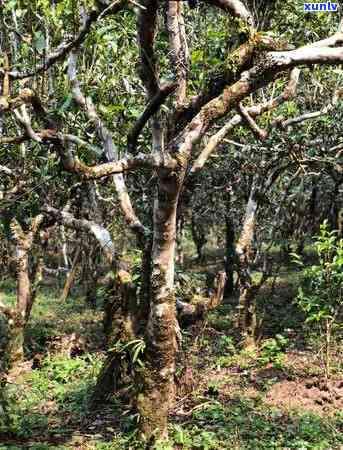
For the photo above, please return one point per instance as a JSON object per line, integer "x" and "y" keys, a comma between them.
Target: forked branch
{"x": 259, "y": 133}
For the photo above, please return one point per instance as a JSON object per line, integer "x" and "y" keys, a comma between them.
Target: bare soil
{"x": 314, "y": 394}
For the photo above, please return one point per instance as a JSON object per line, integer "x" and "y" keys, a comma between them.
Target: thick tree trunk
{"x": 23, "y": 280}
{"x": 9, "y": 322}
{"x": 145, "y": 289}
{"x": 13, "y": 350}
{"x": 247, "y": 313}
{"x": 17, "y": 317}
{"x": 121, "y": 325}
{"x": 157, "y": 393}
{"x": 108, "y": 379}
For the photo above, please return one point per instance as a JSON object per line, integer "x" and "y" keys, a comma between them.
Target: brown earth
{"x": 314, "y": 394}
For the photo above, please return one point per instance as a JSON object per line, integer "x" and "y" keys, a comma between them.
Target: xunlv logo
{"x": 315, "y": 7}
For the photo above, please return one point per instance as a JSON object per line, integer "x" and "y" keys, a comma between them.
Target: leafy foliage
{"x": 321, "y": 293}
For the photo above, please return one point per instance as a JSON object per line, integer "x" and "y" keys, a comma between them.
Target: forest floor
{"x": 275, "y": 397}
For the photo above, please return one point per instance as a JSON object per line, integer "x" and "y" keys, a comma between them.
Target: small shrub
{"x": 320, "y": 295}
{"x": 272, "y": 351}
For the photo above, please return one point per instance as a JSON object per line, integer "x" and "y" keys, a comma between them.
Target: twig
{"x": 261, "y": 134}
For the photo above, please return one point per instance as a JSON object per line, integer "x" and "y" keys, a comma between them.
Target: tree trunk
{"x": 23, "y": 280}
{"x": 121, "y": 326}
{"x": 246, "y": 308}
{"x": 18, "y": 316}
{"x": 230, "y": 253}
{"x": 247, "y": 313}
{"x": 8, "y": 342}
{"x": 199, "y": 237}
{"x": 145, "y": 289}
{"x": 64, "y": 249}
{"x": 16, "y": 346}
{"x": 37, "y": 277}
{"x": 71, "y": 276}
{"x": 180, "y": 232}
{"x": 157, "y": 393}
{"x": 14, "y": 351}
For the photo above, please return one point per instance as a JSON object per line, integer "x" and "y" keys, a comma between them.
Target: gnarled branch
{"x": 312, "y": 115}
{"x": 236, "y": 8}
{"x": 110, "y": 152}
{"x": 152, "y": 160}
{"x": 258, "y": 76}
{"x": 100, "y": 233}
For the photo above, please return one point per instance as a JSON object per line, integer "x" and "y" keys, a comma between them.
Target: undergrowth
{"x": 222, "y": 405}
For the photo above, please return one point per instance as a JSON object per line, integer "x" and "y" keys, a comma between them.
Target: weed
{"x": 272, "y": 351}
{"x": 61, "y": 385}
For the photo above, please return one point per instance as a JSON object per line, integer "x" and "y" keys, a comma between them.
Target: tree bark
{"x": 36, "y": 278}
{"x": 23, "y": 280}
{"x": 157, "y": 376}
{"x": 71, "y": 276}
{"x": 121, "y": 327}
{"x": 230, "y": 253}
{"x": 180, "y": 228}
{"x": 25, "y": 291}
{"x": 246, "y": 310}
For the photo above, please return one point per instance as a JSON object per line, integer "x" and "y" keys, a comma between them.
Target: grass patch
{"x": 49, "y": 399}
{"x": 247, "y": 424}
